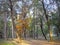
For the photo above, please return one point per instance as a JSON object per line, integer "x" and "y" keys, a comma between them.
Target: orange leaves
{"x": 18, "y": 27}
{"x": 27, "y": 26}
{"x": 23, "y": 23}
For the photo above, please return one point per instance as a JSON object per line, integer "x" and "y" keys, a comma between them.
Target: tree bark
{"x": 41, "y": 25}
{"x": 5, "y": 25}
{"x": 12, "y": 17}
{"x": 46, "y": 15}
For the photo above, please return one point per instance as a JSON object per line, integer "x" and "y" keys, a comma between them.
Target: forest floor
{"x": 5, "y": 42}
{"x": 37, "y": 42}
{"x": 29, "y": 42}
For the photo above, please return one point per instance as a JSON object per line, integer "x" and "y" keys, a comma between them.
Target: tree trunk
{"x": 46, "y": 15}
{"x": 41, "y": 25}
{"x": 5, "y": 25}
{"x": 12, "y": 31}
{"x": 12, "y": 17}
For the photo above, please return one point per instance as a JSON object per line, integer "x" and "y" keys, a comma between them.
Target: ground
{"x": 3, "y": 42}
{"x": 28, "y": 42}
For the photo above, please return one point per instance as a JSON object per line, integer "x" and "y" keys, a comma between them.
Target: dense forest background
{"x": 36, "y": 19}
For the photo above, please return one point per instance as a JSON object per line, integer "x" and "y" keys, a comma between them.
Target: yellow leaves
{"x": 20, "y": 21}
{"x": 26, "y": 26}
{"x": 23, "y": 23}
{"x": 18, "y": 27}
{"x": 28, "y": 20}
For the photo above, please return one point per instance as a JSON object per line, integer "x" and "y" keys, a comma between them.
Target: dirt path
{"x": 36, "y": 42}
{"x": 29, "y": 42}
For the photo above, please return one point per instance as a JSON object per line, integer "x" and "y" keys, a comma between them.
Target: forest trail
{"x": 36, "y": 42}
{"x": 28, "y": 42}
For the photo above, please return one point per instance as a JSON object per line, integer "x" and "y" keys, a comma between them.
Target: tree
{"x": 48, "y": 23}
{"x": 12, "y": 17}
{"x": 58, "y": 8}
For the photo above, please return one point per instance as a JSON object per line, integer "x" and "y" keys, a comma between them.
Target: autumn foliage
{"x": 22, "y": 23}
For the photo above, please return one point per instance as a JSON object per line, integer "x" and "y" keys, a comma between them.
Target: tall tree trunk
{"x": 34, "y": 22}
{"x": 12, "y": 17}
{"x": 12, "y": 31}
{"x": 5, "y": 25}
{"x": 41, "y": 25}
{"x": 46, "y": 15}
